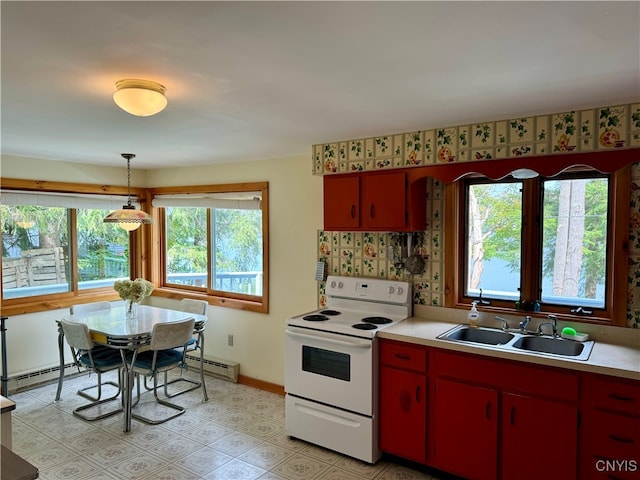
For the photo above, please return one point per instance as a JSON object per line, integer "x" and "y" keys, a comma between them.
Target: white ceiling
{"x": 259, "y": 80}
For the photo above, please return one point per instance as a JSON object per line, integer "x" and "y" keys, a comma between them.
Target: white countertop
{"x": 618, "y": 360}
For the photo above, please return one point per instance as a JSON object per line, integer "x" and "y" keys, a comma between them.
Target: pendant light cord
{"x": 128, "y": 156}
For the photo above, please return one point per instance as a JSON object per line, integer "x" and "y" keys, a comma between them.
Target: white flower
{"x": 134, "y": 291}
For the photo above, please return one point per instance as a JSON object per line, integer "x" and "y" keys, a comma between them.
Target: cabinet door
{"x": 341, "y": 202}
{"x": 383, "y": 201}
{"x": 466, "y": 429}
{"x": 403, "y": 413}
{"x": 548, "y": 426}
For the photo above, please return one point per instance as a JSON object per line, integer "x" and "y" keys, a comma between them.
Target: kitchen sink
{"x": 554, "y": 346}
{"x": 516, "y": 341}
{"x": 488, "y": 336}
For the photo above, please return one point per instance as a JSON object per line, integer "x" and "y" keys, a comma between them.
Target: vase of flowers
{"x": 133, "y": 292}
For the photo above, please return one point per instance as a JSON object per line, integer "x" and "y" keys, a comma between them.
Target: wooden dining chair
{"x": 100, "y": 361}
{"x": 166, "y": 352}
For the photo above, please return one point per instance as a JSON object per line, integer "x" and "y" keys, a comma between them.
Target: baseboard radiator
{"x": 224, "y": 369}
{"x": 218, "y": 367}
{"x": 25, "y": 381}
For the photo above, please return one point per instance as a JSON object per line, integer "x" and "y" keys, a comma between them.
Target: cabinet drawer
{"x": 611, "y": 394}
{"x": 403, "y": 355}
{"x": 515, "y": 377}
{"x": 612, "y": 436}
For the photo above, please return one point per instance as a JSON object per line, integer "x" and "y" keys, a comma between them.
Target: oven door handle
{"x": 354, "y": 344}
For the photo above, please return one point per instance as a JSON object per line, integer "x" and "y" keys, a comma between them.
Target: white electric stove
{"x": 331, "y": 364}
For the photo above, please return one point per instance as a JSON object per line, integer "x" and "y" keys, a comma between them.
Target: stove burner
{"x": 365, "y": 326}
{"x": 315, "y": 318}
{"x": 377, "y": 320}
{"x": 331, "y": 313}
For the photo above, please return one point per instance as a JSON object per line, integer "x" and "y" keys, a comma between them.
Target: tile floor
{"x": 238, "y": 434}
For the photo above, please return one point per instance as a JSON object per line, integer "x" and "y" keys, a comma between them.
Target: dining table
{"x": 113, "y": 328}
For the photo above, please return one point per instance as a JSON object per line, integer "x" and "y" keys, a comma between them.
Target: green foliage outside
{"x": 499, "y": 208}
{"x": 33, "y": 227}
{"x": 237, "y": 234}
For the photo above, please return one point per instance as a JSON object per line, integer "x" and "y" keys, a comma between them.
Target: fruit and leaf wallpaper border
{"x": 588, "y": 130}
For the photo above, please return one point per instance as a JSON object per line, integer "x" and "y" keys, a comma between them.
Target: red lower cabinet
{"x": 466, "y": 429}
{"x": 611, "y": 429}
{"x": 485, "y": 418}
{"x": 403, "y": 402}
{"x": 612, "y": 447}
{"x": 539, "y": 439}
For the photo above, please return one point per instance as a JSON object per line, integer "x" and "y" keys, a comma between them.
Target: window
{"x": 50, "y": 248}
{"x": 214, "y": 243}
{"x": 541, "y": 244}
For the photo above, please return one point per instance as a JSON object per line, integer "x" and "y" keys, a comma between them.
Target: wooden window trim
{"x": 216, "y": 298}
{"x": 39, "y": 303}
{"x": 617, "y": 281}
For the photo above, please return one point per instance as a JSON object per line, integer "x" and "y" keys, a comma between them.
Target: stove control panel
{"x": 372, "y": 289}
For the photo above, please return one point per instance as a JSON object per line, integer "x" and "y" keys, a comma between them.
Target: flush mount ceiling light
{"x": 524, "y": 174}
{"x": 128, "y": 218}
{"x": 140, "y": 97}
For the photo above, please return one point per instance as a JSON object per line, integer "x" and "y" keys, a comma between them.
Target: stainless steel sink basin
{"x": 487, "y": 336}
{"x": 519, "y": 342}
{"x": 553, "y": 346}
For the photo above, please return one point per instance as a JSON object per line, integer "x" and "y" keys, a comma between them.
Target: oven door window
{"x": 326, "y": 363}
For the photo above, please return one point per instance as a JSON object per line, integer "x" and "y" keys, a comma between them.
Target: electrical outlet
{"x": 230, "y": 340}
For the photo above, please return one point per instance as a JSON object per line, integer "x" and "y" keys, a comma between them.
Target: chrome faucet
{"x": 523, "y": 324}
{"x": 505, "y": 323}
{"x": 553, "y": 321}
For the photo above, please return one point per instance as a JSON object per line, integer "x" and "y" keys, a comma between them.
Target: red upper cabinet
{"x": 341, "y": 202}
{"x": 383, "y": 201}
{"x": 374, "y": 201}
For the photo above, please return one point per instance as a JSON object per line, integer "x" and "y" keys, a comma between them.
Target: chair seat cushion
{"x": 103, "y": 360}
{"x": 166, "y": 358}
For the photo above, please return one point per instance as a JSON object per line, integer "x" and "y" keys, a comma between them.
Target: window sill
{"x": 215, "y": 300}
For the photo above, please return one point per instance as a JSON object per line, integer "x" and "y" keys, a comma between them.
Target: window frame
{"x": 614, "y": 312}
{"x": 37, "y": 303}
{"x": 254, "y": 303}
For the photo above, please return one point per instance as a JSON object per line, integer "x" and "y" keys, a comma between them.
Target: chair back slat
{"x": 171, "y": 335}
{"x": 77, "y": 335}
{"x": 199, "y": 307}
{"x": 89, "y": 307}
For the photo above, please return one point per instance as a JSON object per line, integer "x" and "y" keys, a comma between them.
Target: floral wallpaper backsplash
{"x": 376, "y": 254}
{"x": 588, "y": 130}
{"x": 633, "y": 303}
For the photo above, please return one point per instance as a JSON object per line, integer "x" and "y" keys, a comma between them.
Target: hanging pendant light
{"x": 128, "y": 218}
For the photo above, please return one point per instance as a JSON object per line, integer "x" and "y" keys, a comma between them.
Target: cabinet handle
{"x": 512, "y": 416}
{"x": 616, "y": 438}
{"x": 353, "y": 211}
{"x": 402, "y": 356}
{"x": 487, "y": 410}
{"x": 418, "y": 394}
{"x": 621, "y": 398}
{"x": 372, "y": 210}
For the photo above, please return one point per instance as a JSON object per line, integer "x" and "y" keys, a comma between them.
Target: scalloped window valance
{"x": 546, "y": 166}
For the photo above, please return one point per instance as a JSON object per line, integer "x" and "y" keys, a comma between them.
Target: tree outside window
{"x": 563, "y": 248}
{"x": 36, "y": 250}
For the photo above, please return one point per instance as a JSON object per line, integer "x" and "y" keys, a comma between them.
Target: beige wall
{"x": 295, "y": 216}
